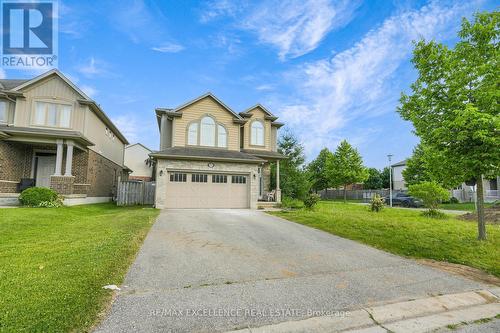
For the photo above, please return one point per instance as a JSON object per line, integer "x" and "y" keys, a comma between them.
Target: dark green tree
{"x": 453, "y": 104}
{"x": 427, "y": 164}
{"x": 345, "y": 167}
{"x": 374, "y": 180}
{"x": 316, "y": 170}
{"x": 293, "y": 178}
{"x": 385, "y": 177}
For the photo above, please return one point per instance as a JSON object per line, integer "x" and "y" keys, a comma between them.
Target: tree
{"x": 431, "y": 194}
{"x": 427, "y": 164}
{"x": 293, "y": 178}
{"x": 345, "y": 167}
{"x": 317, "y": 170}
{"x": 385, "y": 175}
{"x": 374, "y": 180}
{"x": 454, "y": 101}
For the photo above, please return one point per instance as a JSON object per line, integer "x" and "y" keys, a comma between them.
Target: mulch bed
{"x": 491, "y": 214}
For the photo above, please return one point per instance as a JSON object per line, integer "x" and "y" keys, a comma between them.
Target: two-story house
{"x": 213, "y": 157}
{"x": 53, "y": 135}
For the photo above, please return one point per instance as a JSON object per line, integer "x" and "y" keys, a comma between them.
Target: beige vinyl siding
{"x": 135, "y": 157}
{"x": 195, "y": 111}
{"x": 95, "y": 131}
{"x": 257, "y": 113}
{"x": 51, "y": 90}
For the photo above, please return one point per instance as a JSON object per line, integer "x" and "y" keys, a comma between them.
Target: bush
{"x": 431, "y": 193}
{"x": 311, "y": 200}
{"x": 377, "y": 203}
{"x": 39, "y": 197}
{"x": 454, "y": 200}
{"x": 435, "y": 214}
{"x": 288, "y": 202}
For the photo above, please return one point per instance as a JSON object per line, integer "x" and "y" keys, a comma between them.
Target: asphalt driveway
{"x": 217, "y": 270}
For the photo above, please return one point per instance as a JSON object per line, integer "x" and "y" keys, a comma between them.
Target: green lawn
{"x": 55, "y": 261}
{"x": 466, "y": 206}
{"x": 405, "y": 232}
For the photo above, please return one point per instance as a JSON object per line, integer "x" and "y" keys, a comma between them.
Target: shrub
{"x": 311, "y": 200}
{"x": 39, "y": 197}
{"x": 435, "y": 214}
{"x": 288, "y": 202}
{"x": 454, "y": 200}
{"x": 431, "y": 194}
{"x": 377, "y": 203}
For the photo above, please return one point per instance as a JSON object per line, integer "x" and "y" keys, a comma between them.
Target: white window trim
{"x": 7, "y": 107}
{"x": 263, "y": 133}
{"x": 198, "y": 133}
{"x": 58, "y": 114}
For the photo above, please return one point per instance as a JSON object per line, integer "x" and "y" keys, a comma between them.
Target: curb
{"x": 420, "y": 315}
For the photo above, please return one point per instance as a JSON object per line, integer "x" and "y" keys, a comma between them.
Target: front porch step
{"x": 267, "y": 204}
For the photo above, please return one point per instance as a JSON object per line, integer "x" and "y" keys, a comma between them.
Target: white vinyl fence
{"x": 132, "y": 192}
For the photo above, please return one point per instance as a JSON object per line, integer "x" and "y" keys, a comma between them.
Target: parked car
{"x": 404, "y": 200}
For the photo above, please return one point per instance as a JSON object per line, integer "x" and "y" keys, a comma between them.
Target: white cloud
{"x": 138, "y": 129}
{"x": 217, "y": 8}
{"x": 360, "y": 82}
{"x": 93, "y": 67}
{"x": 3, "y": 75}
{"x": 296, "y": 27}
{"x": 293, "y": 27}
{"x": 89, "y": 90}
{"x": 168, "y": 48}
{"x": 265, "y": 87}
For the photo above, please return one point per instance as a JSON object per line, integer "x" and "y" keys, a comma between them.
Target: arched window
{"x": 257, "y": 133}
{"x": 221, "y": 136}
{"x": 193, "y": 134}
{"x": 207, "y": 132}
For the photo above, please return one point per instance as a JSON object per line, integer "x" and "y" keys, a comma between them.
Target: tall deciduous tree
{"x": 345, "y": 167}
{"x": 293, "y": 178}
{"x": 317, "y": 170}
{"x": 374, "y": 180}
{"x": 428, "y": 164}
{"x": 454, "y": 101}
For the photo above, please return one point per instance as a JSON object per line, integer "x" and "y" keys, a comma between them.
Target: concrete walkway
{"x": 221, "y": 270}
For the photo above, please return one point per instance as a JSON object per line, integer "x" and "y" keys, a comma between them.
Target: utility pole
{"x": 390, "y": 178}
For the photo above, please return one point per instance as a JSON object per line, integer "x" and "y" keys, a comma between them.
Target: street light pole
{"x": 390, "y": 179}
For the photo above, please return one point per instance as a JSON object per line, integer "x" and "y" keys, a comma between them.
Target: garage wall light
{"x": 161, "y": 173}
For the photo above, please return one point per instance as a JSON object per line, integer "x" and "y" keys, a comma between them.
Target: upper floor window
{"x": 51, "y": 114}
{"x": 193, "y": 134}
{"x": 3, "y": 112}
{"x": 257, "y": 133}
{"x": 221, "y": 136}
{"x": 207, "y": 135}
{"x": 207, "y": 132}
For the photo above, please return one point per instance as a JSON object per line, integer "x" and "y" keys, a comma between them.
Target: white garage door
{"x": 204, "y": 190}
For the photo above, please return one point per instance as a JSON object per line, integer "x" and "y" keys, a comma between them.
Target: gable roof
{"x": 268, "y": 113}
{"x": 402, "y": 163}
{"x": 16, "y": 86}
{"x": 178, "y": 109}
{"x": 9, "y": 84}
{"x": 55, "y": 72}
{"x": 139, "y": 144}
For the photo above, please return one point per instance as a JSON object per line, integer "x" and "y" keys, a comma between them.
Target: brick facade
{"x": 62, "y": 184}
{"x": 92, "y": 173}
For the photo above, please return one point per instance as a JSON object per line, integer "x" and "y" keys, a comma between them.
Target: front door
{"x": 45, "y": 167}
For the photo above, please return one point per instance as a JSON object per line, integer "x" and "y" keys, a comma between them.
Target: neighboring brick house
{"x": 213, "y": 157}
{"x": 137, "y": 159}
{"x": 53, "y": 135}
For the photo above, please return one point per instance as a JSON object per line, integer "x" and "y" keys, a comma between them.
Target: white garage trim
{"x": 198, "y": 190}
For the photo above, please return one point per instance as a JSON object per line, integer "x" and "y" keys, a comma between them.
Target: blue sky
{"x": 331, "y": 70}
